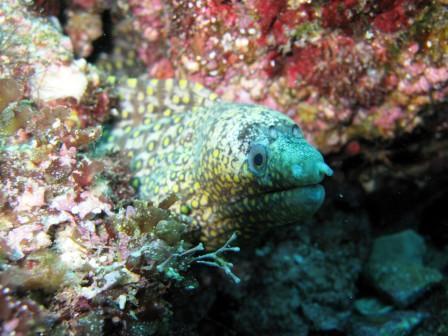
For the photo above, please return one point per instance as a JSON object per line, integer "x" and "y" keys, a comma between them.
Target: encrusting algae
{"x": 234, "y": 167}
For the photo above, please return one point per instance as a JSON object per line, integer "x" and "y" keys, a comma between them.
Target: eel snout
{"x": 310, "y": 173}
{"x": 323, "y": 169}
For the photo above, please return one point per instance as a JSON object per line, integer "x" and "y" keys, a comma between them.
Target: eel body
{"x": 234, "y": 167}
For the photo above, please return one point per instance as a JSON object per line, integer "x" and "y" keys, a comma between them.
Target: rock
{"x": 435, "y": 305}
{"x": 395, "y": 267}
{"x": 304, "y": 284}
{"x": 374, "y": 318}
{"x": 398, "y": 323}
{"x": 371, "y": 306}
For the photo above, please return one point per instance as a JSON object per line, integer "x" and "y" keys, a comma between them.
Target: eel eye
{"x": 296, "y": 131}
{"x": 257, "y": 159}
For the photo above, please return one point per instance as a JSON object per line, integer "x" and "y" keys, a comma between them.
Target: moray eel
{"x": 234, "y": 167}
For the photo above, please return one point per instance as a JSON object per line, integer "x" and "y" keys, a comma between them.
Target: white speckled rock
{"x": 396, "y": 268}
{"x": 60, "y": 81}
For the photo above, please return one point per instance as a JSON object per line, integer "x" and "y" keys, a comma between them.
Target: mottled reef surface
{"x": 366, "y": 80}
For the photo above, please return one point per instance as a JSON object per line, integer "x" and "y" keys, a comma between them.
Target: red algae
{"x": 338, "y": 13}
{"x": 337, "y": 56}
{"x": 394, "y": 15}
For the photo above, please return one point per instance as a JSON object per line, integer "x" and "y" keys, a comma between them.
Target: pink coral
{"x": 67, "y": 156}
{"x": 388, "y": 117}
{"x": 90, "y": 204}
{"x": 27, "y": 238}
{"x": 64, "y": 202}
{"x": 337, "y": 57}
{"x": 32, "y": 197}
{"x": 424, "y": 80}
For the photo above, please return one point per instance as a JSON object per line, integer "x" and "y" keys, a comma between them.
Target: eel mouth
{"x": 297, "y": 202}
{"x": 279, "y": 207}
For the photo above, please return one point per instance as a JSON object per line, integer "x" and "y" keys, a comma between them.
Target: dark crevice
{"x": 105, "y": 43}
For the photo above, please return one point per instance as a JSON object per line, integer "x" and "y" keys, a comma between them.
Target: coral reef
{"x": 366, "y": 80}
{"x": 72, "y": 234}
{"x": 344, "y": 70}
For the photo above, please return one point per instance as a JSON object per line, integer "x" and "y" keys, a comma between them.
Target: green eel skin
{"x": 234, "y": 167}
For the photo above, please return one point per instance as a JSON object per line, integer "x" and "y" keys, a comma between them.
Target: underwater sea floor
{"x": 143, "y": 193}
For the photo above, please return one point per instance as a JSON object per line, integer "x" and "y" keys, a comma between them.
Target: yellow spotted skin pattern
{"x": 233, "y": 167}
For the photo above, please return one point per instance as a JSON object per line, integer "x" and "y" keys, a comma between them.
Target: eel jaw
{"x": 291, "y": 205}
{"x": 275, "y": 208}
{"x": 298, "y": 200}
{"x": 302, "y": 198}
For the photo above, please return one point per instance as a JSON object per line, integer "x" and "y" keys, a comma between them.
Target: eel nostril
{"x": 297, "y": 171}
{"x": 324, "y": 169}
